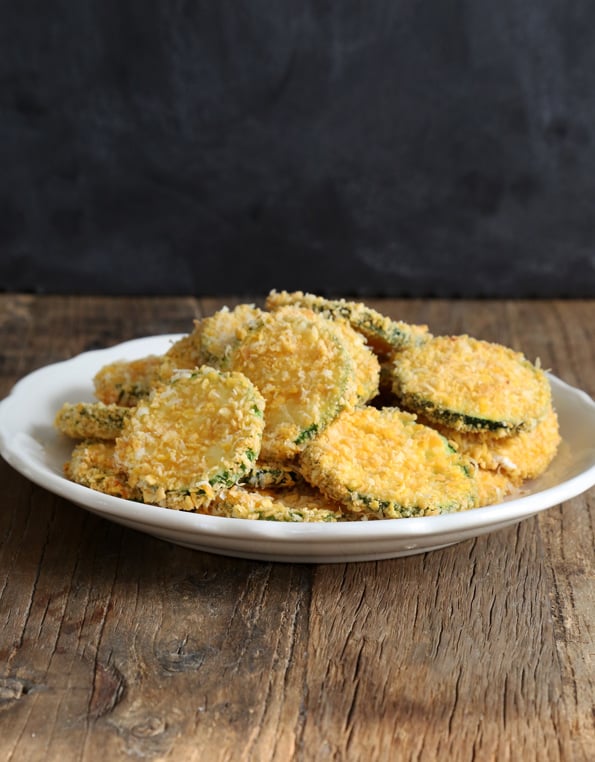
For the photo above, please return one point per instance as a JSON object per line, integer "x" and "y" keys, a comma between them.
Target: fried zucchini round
{"x": 91, "y": 420}
{"x": 195, "y": 436}
{"x": 525, "y": 455}
{"x": 384, "y": 462}
{"x": 286, "y": 505}
{"x": 127, "y": 382}
{"x": 492, "y": 486}
{"x": 471, "y": 385}
{"x": 383, "y": 334}
{"x": 93, "y": 465}
{"x": 304, "y": 372}
{"x": 365, "y": 362}
{"x": 222, "y": 331}
{"x": 186, "y": 353}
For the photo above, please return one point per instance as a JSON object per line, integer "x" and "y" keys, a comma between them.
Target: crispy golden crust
{"x": 92, "y": 464}
{"x": 382, "y": 461}
{"x": 471, "y": 385}
{"x": 198, "y": 434}
{"x": 303, "y": 371}
{"x": 382, "y": 333}
{"x": 222, "y": 331}
{"x": 492, "y": 486}
{"x": 365, "y": 362}
{"x": 186, "y": 352}
{"x": 525, "y": 455}
{"x": 286, "y": 505}
{"x": 126, "y": 382}
{"x": 91, "y": 420}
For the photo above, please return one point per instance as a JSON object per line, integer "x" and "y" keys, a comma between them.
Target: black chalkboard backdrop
{"x": 386, "y": 147}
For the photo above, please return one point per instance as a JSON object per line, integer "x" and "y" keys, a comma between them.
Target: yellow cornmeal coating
{"x": 92, "y": 464}
{"x": 365, "y": 363}
{"x": 126, "y": 382}
{"x": 221, "y": 332}
{"x": 382, "y": 333}
{"x": 471, "y": 385}
{"x": 91, "y": 420}
{"x": 382, "y": 461}
{"x": 302, "y": 370}
{"x": 286, "y": 505}
{"x": 492, "y": 486}
{"x": 200, "y": 433}
{"x": 525, "y": 455}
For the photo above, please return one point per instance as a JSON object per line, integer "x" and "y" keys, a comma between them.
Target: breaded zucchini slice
{"x": 91, "y": 420}
{"x": 384, "y": 462}
{"x": 195, "y": 436}
{"x": 525, "y": 455}
{"x": 383, "y": 334}
{"x": 471, "y": 385}
{"x": 126, "y": 382}
{"x": 492, "y": 486}
{"x": 287, "y": 505}
{"x": 304, "y": 372}
{"x": 187, "y": 351}
{"x": 222, "y": 331}
{"x": 365, "y": 362}
{"x": 92, "y": 464}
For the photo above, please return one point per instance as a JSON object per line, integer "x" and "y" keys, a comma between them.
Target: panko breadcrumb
{"x": 91, "y": 420}
{"x": 471, "y": 385}
{"x": 126, "y": 382}
{"x": 93, "y": 465}
{"x": 383, "y": 461}
{"x": 382, "y": 333}
{"x": 196, "y": 435}
{"x": 304, "y": 372}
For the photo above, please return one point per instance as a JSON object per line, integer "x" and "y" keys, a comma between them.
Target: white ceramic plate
{"x": 29, "y": 442}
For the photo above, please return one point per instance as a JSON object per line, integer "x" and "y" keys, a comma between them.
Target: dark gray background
{"x": 375, "y": 148}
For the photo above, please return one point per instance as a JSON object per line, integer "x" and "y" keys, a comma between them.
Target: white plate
{"x": 29, "y": 442}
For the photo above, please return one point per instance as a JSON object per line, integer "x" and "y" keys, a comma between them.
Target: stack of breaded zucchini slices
{"x": 314, "y": 409}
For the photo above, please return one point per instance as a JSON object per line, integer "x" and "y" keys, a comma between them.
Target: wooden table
{"x": 115, "y": 645}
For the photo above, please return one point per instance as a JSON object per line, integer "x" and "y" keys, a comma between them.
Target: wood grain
{"x": 115, "y": 645}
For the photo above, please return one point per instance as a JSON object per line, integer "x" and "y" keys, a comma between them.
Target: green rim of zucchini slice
{"x": 383, "y": 462}
{"x": 197, "y": 435}
{"x": 383, "y": 334}
{"x": 304, "y": 372}
{"x": 471, "y": 385}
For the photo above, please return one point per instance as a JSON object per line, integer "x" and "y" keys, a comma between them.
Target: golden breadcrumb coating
{"x": 525, "y": 455}
{"x": 186, "y": 352}
{"x": 383, "y": 334}
{"x": 383, "y": 461}
{"x": 126, "y": 382}
{"x": 471, "y": 385}
{"x": 92, "y": 464}
{"x": 285, "y": 505}
{"x": 492, "y": 486}
{"x": 222, "y": 331}
{"x": 91, "y": 420}
{"x": 198, "y": 434}
{"x": 303, "y": 371}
